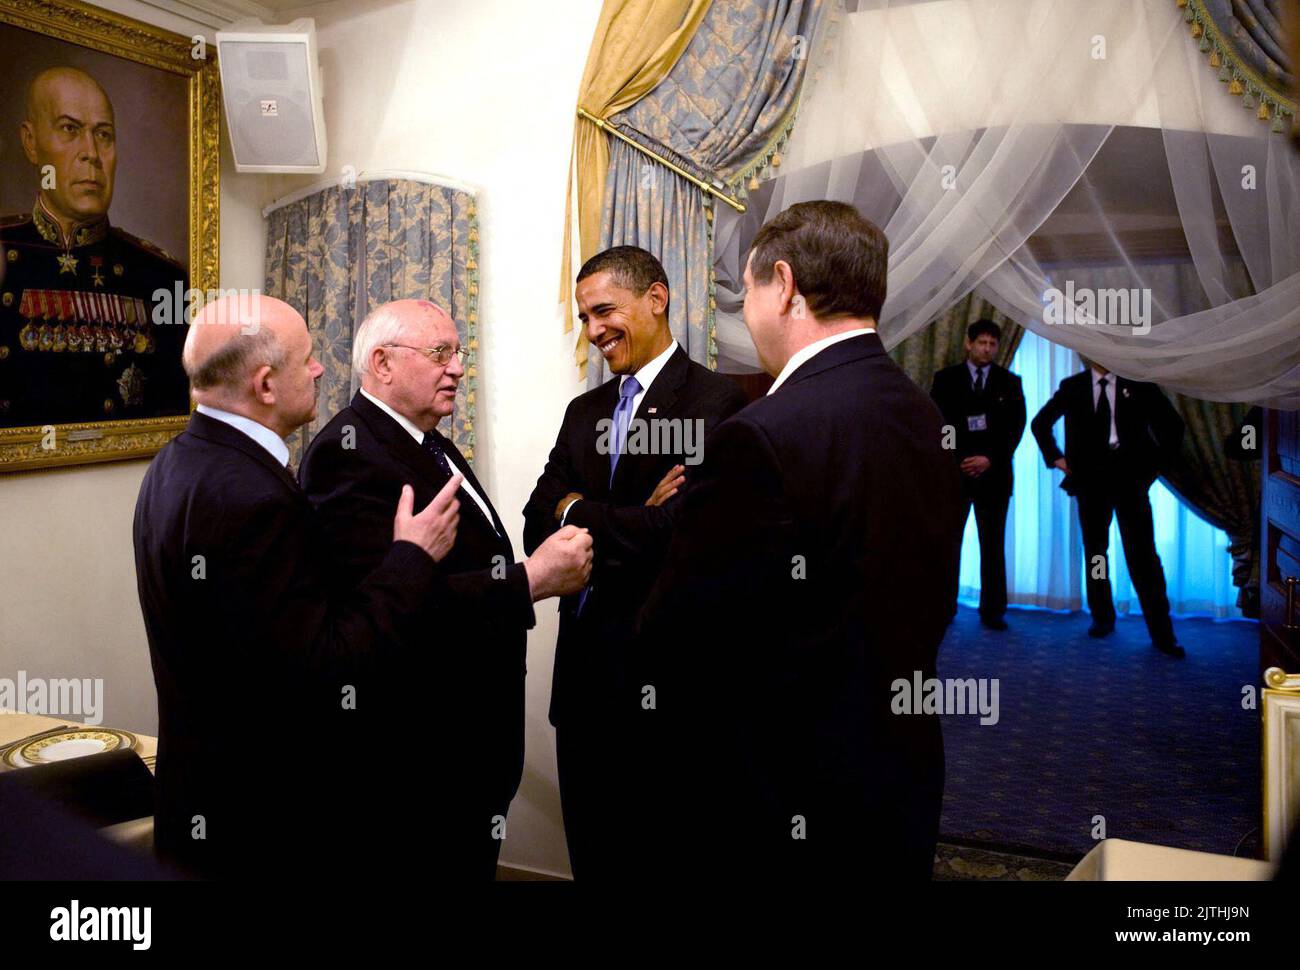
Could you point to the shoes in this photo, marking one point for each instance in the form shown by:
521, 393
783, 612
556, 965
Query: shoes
993, 622
1098, 630
1170, 648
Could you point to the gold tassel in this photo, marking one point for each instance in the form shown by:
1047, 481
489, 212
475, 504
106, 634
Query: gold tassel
1235, 87
1262, 113
1197, 30
776, 160
1214, 59
753, 183
1182, 3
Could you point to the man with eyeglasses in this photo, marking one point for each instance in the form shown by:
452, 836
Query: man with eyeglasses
447, 725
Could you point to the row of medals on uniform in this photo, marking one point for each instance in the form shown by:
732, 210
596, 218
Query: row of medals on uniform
46, 330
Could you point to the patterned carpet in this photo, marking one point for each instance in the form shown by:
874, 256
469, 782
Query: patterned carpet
1161, 748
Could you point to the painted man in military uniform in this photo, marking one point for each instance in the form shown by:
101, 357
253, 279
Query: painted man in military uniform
78, 337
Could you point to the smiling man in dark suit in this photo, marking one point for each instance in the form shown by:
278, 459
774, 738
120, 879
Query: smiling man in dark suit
1118, 435
810, 571
623, 453
244, 633
984, 404
408, 357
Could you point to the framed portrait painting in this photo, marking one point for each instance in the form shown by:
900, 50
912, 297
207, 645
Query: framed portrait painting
109, 217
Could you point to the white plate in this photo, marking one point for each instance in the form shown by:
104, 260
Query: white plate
65, 743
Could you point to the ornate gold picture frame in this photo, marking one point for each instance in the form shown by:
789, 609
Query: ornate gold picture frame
133, 53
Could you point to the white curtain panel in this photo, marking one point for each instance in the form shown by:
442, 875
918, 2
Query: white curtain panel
1045, 565
960, 126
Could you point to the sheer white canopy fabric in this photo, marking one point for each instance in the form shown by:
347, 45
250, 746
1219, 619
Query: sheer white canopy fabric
991, 139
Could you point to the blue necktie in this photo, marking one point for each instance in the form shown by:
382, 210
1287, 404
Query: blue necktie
622, 418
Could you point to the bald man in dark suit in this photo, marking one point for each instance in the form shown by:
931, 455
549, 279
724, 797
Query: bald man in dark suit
237, 603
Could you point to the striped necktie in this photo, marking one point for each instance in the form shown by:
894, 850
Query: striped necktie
622, 418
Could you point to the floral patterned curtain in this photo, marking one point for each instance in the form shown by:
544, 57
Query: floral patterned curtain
1247, 44
722, 114
339, 253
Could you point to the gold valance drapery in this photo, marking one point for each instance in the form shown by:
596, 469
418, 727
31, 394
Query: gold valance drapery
635, 46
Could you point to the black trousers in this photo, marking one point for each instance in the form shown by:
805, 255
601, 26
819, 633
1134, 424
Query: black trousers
1127, 500
990, 500
592, 755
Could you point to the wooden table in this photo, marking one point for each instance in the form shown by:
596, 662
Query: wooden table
1118, 860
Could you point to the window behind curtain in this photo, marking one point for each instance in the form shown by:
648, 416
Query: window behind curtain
1044, 548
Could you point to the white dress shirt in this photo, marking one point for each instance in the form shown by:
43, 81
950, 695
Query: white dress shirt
418, 435
1110, 396
645, 377
812, 350
260, 433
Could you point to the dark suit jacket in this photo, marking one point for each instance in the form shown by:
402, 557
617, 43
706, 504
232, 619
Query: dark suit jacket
628, 538
249, 651
1150, 433
1003, 405
813, 565
474, 652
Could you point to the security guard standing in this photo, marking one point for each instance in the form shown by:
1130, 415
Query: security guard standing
985, 405
79, 340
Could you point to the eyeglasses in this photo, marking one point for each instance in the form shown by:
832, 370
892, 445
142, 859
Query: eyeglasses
440, 355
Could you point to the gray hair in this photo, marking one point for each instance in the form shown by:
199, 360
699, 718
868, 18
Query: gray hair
235, 361
383, 326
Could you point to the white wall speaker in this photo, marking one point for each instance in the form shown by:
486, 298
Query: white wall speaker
270, 82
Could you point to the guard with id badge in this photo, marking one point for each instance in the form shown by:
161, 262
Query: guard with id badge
984, 405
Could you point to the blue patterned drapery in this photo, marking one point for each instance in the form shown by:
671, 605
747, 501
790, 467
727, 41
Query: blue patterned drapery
339, 253
722, 114
1245, 42
650, 206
